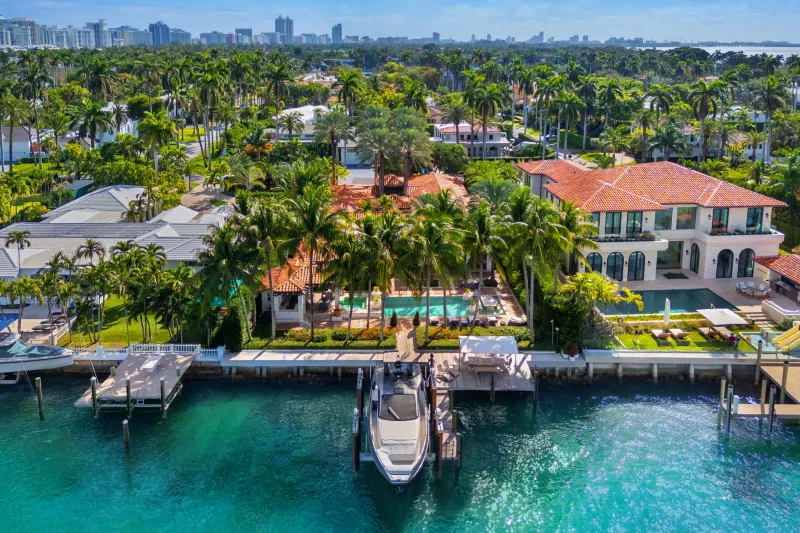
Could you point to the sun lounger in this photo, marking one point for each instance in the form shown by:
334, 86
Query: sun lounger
491, 320
517, 322
680, 336
723, 332
660, 334
453, 321
708, 333
435, 320
464, 321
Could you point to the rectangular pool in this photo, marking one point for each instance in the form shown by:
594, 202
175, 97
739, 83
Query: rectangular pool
681, 301
408, 305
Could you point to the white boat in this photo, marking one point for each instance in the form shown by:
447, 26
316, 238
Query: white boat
17, 357
399, 421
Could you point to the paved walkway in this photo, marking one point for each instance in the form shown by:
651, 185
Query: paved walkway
200, 198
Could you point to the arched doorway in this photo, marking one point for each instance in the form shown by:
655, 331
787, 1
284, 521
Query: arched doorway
745, 269
595, 262
636, 266
725, 264
694, 260
615, 266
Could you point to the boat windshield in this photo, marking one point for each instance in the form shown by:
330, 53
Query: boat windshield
399, 407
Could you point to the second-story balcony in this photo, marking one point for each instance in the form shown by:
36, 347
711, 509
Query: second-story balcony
629, 237
734, 233
632, 242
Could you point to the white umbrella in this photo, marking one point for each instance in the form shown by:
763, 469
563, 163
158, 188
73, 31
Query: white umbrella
666, 313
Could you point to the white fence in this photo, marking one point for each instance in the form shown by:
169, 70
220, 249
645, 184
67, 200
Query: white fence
118, 354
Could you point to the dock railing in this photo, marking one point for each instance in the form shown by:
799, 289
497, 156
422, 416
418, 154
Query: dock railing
100, 353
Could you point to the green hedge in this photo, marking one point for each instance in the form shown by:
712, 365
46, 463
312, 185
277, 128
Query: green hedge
440, 338
325, 338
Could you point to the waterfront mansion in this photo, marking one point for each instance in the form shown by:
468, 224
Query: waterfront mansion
658, 216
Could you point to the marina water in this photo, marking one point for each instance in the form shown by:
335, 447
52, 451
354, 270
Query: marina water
264, 456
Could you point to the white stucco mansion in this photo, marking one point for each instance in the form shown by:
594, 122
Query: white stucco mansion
658, 216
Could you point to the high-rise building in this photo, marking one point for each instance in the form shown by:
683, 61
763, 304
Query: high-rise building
5, 37
31, 25
17, 35
285, 27
574, 39
585, 39
269, 37
127, 36
488, 36
336, 33
215, 37
435, 37
246, 32
160, 33
102, 37
82, 37
179, 36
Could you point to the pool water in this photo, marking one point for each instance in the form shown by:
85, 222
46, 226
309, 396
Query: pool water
408, 305
681, 301
244, 456
10, 319
767, 346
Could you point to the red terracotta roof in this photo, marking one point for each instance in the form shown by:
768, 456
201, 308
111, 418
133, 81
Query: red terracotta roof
785, 265
390, 180
292, 277
350, 197
661, 184
434, 184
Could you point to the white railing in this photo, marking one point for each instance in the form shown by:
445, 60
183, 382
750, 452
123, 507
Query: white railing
164, 348
209, 354
101, 353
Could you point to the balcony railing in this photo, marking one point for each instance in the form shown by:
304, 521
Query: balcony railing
739, 230
630, 237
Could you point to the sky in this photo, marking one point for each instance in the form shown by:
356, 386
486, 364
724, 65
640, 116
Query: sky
677, 20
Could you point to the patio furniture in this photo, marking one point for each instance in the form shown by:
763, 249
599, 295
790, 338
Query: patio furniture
723, 332
681, 337
517, 322
739, 286
453, 321
751, 284
491, 320
435, 320
489, 301
661, 336
761, 288
464, 321
708, 333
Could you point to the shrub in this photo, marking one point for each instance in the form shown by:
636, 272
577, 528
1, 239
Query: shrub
415, 321
339, 334
368, 334
57, 198
232, 330
393, 320
299, 335
30, 213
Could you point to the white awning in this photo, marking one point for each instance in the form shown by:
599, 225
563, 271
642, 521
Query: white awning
505, 345
722, 317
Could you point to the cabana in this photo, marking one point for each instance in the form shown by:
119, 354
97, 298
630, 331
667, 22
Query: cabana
488, 351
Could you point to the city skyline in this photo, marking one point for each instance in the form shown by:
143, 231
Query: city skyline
772, 20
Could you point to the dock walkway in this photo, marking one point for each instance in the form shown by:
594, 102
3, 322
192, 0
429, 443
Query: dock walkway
276, 359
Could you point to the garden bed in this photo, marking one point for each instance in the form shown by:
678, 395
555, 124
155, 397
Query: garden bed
326, 338
440, 338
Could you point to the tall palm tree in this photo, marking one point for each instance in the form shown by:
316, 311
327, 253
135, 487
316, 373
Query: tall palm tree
414, 149
21, 240
770, 95
89, 250
267, 224
34, 78
669, 140
587, 91
754, 138
348, 84
291, 122
277, 75
488, 100
616, 140
90, 120
156, 131
98, 77
496, 192
456, 112
350, 267
661, 99
311, 226
569, 107
704, 98
609, 95
21, 290
16, 113
330, 128
645, 120
375, 141
481, 239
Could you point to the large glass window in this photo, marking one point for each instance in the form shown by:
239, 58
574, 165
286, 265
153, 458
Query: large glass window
664, 219
634, 225
615, 266
613, 223
636, 266
671, 257
595, 261
719, 220
596, 220
694, 260
725, 264
755, 216
745, 268
687, 217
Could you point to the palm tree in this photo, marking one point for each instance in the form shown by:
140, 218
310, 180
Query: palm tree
481, 239
90, 120
34, 77
348, 85
330, 128
277, 75
610, 94
661, 99
771, 95
569, 109
312, 224
669, 140
291, 122
16, 112
703, 99
587, 91
579, 230
414, 149
227, 114
21, 241
616, 140
267, 224
456, 112
430, 246
376, 141
4, 292
246, 173
89, 250
98, 77
350, 267
58, 121
496, 192
156, 131
21, 290
644, 119
754, 138
488, 100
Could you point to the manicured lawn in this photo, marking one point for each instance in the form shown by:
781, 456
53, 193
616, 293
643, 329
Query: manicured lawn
447, 338
113, 334
697, 343
20, 203
189, 135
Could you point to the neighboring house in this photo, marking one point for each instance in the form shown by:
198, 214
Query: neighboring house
692, 146
290, 284
309, 113
21, 143
496, 142
436, 114
107, 204
659, 216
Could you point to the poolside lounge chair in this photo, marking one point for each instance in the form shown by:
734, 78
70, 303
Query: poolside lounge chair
740, 286
464, 321
660, 334
751, 284
517, 322
708, 333
680, 336
453, 321
435, 320
491, 320
723, 332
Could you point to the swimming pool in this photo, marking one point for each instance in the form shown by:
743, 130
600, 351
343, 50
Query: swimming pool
408, 305
10, 318
681, 301
753, 338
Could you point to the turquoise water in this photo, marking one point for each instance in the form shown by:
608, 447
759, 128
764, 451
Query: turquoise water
257, 456
408, 305
767, 346
680, 301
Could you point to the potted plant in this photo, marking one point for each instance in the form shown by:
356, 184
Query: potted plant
337, 312
573, 351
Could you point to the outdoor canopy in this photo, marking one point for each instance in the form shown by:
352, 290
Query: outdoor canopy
722, 317
495, 345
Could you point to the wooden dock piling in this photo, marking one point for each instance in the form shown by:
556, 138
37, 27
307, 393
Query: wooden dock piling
93, 381
360, 392
730, 412
763, 400
536, 386
491, 387
163, 398
783, 380
39, 397
619, 372
771, 409
691, 374
590, 371
758, 361
356, 441
128, 402
655, 373
721, 402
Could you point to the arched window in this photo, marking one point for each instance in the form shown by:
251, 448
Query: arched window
636, 266
694, 260
745, 269
725, 264
615, 265
595, 262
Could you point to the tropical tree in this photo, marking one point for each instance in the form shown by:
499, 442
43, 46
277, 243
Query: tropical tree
331, 128
22, 289
609, 95
456, 112
413, 148
267, 224
155, 132
669, 140
615, 140
291, 123
34, 78
277, 76
482, 236
348, 84
661, 99
16, 113
89, 250
770, 95
487, 101
90, 120
704, 98
20, 239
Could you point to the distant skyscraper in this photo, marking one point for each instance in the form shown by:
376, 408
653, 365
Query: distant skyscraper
285, 27
102, 37
473, 38
31, 25
245, 31
435, 38
336, 33
488, 36
585, 39
179, 36
160, 33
